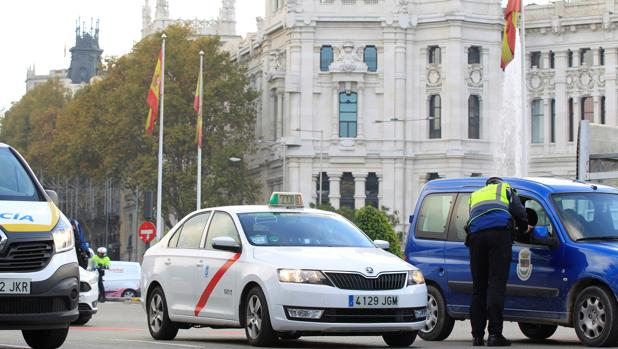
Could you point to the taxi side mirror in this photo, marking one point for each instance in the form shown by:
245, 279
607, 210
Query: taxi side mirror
385, 245
53, 196
226, 243
540, 236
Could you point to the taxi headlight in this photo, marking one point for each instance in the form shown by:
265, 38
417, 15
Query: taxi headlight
63, 236
303, 276
415, 277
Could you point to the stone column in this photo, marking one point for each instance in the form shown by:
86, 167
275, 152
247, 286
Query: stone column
611, 60
280, 118
335, 117
576, 62
577, 116
360, 180
546, 120
545, 59
562, 100
380, 190
595, 56
596, 105
334, 195
314, 191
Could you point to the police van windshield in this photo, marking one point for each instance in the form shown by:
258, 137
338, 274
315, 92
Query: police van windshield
589, 216
15, 183
301, 229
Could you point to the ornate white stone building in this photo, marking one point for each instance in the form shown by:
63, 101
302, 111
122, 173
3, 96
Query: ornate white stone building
404, 91
224, 26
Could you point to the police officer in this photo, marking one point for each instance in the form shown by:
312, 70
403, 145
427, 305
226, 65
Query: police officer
495, 211
101, 263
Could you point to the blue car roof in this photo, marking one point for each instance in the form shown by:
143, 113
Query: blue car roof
541, 185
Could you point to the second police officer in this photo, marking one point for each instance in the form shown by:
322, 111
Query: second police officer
495, 211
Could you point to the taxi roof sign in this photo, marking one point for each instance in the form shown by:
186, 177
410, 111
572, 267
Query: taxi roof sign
287, 200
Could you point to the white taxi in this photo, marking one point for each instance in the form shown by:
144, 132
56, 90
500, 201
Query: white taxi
280, 272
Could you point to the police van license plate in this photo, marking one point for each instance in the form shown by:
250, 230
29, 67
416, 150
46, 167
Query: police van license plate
373, 301
14, 286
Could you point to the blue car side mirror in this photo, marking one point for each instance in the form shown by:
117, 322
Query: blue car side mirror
540, 233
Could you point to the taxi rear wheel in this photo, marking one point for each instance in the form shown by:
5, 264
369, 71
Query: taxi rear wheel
45, 339
537, 331
258, 328
438, 324
159, 323
399, 339
595, 317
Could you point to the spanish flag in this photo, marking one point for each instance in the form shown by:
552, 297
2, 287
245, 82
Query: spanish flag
153, 96
196, 107
511, 17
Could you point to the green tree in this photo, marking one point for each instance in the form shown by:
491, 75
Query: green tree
375, 224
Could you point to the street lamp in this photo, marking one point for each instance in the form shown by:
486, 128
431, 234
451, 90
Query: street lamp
238, 161
321, 132
403, 158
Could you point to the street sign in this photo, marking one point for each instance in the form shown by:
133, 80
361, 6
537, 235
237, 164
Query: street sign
147, 231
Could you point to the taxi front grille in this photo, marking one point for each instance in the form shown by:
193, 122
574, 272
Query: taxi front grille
349, 281
26, 256
33, 305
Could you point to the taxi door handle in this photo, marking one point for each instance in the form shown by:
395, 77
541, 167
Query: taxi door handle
168, 261
200, 264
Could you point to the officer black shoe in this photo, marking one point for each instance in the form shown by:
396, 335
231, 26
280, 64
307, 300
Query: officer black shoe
497, 340
478, 342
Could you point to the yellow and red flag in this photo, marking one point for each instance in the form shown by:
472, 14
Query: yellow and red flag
196, 107
511, 17
153, 96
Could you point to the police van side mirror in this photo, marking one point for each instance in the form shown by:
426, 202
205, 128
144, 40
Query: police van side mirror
225, 243
53, 196
540, 236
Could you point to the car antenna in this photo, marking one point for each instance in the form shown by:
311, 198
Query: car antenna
593, 186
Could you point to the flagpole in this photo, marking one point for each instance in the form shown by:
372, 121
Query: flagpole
160, 168
524, 106
199, 132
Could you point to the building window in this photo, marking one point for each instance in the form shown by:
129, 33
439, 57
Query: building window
474, 55
552, 60
348, 109
601, 56
326, 57
474, 117
587, 107
371, 58
570, 58
537, 121
535, 59
603, 110
571, 120
347, 190
552, 125
585, 57
372, 189
435, 55
325, 189
435, 120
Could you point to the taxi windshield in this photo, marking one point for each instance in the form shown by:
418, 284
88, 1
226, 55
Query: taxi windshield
589, 216
15, 183
301, 229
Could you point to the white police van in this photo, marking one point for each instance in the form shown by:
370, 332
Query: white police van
280, 272
39, 275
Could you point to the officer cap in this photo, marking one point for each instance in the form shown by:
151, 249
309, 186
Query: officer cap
494, 180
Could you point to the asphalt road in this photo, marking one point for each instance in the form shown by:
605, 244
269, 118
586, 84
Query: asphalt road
123, 325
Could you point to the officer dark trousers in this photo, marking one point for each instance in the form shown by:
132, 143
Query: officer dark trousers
490, 260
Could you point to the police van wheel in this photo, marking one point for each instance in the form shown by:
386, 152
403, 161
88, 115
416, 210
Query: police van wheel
438, 325
399, 339
537, 331
45, 339
595, 317
258, 328
159, 323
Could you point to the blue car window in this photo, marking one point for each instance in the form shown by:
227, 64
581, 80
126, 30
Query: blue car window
461, 213
434, 214
588, 216
543, 218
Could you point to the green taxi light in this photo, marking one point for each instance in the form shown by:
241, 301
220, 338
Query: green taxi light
288, 200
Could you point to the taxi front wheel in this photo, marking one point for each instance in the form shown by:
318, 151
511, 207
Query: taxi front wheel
399, 339
159, 323
45, 339
595, 317
258, 328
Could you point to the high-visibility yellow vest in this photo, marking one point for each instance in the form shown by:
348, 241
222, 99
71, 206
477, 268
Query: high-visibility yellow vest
489, 198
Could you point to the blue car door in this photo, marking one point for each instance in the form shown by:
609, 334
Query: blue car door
534, 289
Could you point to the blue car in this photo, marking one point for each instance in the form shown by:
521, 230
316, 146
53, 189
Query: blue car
565, 273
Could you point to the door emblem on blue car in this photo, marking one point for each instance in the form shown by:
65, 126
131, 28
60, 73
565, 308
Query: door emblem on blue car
524, 264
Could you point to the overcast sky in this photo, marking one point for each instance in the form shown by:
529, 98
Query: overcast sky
35, 32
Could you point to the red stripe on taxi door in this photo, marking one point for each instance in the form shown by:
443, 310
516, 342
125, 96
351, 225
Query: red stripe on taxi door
213, 283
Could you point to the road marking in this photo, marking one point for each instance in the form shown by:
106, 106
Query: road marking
213, 283
158, 343
13, 346
106, 329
